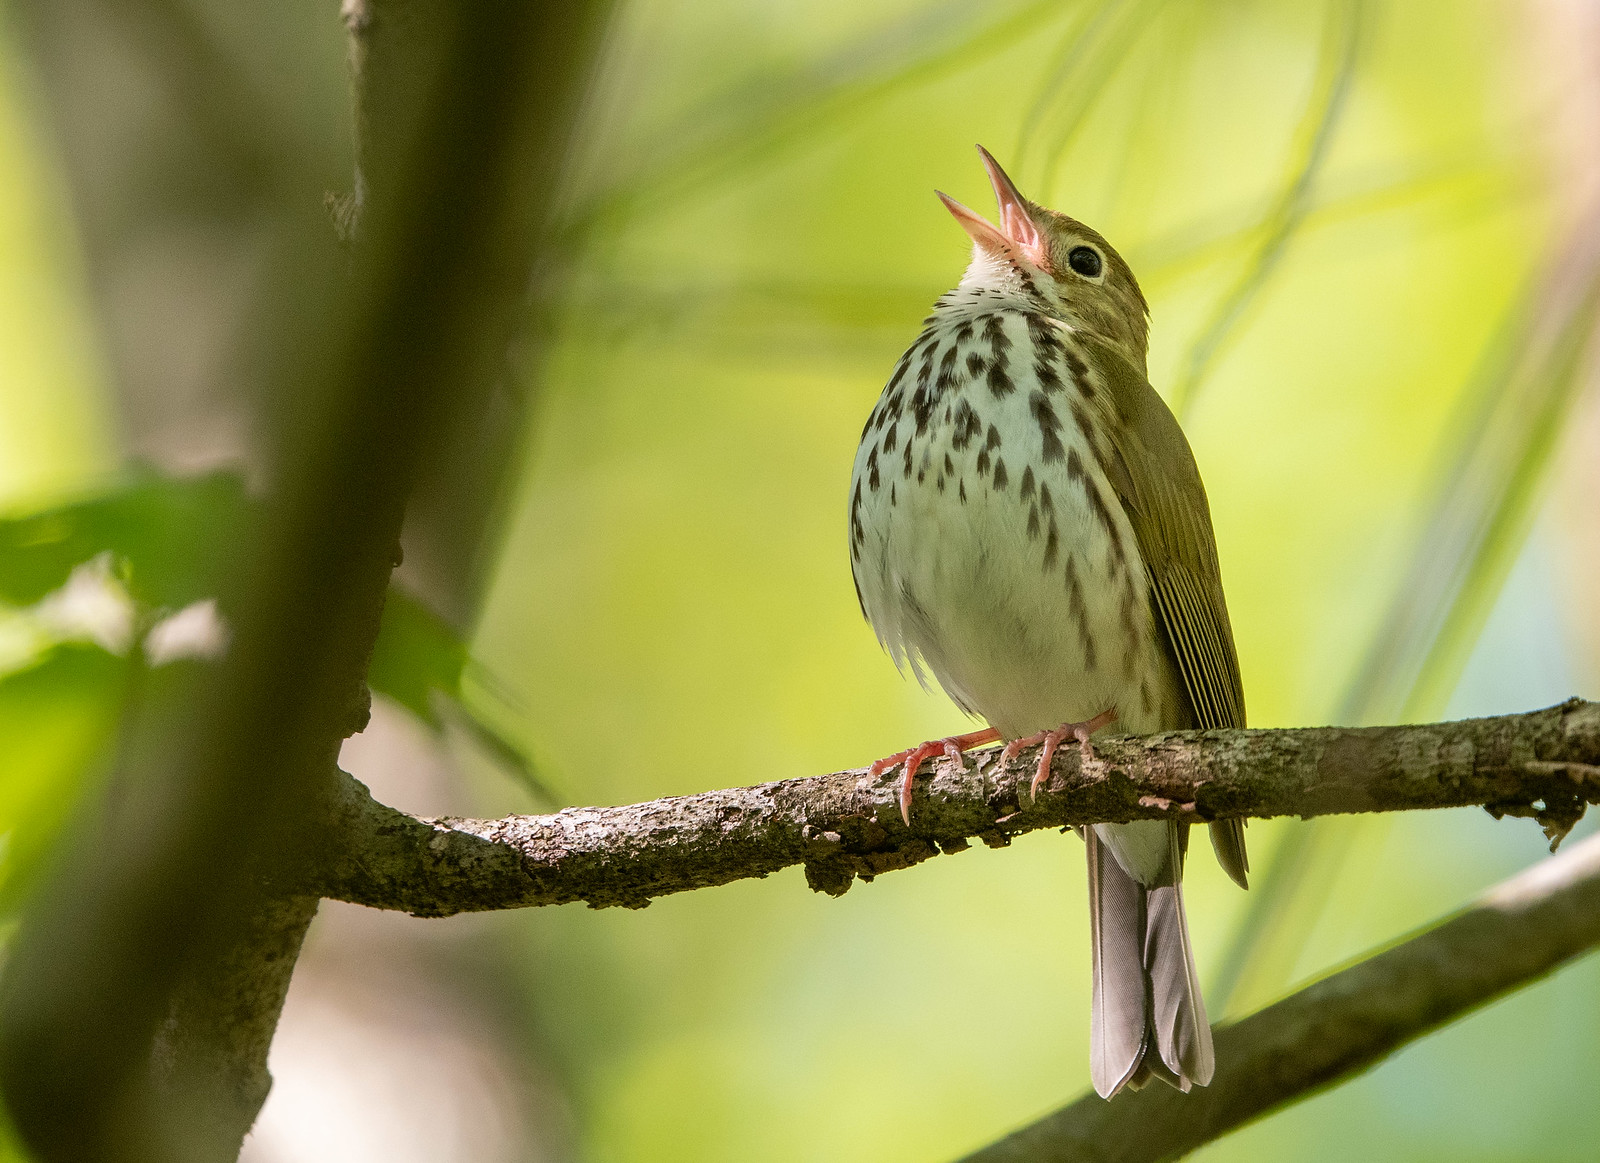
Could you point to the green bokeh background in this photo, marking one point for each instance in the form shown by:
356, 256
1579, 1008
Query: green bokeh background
673, 606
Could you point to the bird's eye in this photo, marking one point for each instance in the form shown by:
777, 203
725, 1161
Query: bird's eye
1086, 261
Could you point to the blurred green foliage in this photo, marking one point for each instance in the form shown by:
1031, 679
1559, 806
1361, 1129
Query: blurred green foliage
168, 539
165, 541
57, 716
1340, 211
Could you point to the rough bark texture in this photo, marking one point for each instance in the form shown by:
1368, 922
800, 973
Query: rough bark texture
847, 825
1343, 1024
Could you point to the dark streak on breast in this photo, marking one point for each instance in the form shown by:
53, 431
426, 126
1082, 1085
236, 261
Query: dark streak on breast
967, 426
1080, 612
1079, 371
947, 369
1049, 426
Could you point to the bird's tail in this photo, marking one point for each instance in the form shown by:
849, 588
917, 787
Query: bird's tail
1149, 1020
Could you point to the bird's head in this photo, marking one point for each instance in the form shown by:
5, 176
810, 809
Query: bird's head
1069, 269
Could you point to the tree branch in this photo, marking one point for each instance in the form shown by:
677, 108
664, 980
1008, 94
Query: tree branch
847, 825
210, 1056
1517, 932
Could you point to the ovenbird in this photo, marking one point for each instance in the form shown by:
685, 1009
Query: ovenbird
1027, 523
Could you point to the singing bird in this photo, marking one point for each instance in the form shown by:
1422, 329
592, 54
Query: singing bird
1027, 523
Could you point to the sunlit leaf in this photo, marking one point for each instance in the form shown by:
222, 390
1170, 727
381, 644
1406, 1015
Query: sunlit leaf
169, 537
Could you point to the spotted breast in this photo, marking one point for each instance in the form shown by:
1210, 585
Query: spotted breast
987, 543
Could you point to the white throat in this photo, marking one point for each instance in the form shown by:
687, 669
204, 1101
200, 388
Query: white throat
995, 274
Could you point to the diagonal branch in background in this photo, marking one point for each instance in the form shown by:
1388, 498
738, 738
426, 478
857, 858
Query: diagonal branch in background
847, 825
1341, 1025
1343, 41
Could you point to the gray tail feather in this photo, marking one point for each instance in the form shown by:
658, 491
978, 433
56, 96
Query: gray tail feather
1227, 839
1146, 992
1183, 1035
1119, 1022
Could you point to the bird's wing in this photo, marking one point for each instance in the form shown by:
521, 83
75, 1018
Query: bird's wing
1150, 465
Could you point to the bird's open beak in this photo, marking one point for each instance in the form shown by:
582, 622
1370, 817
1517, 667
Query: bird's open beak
1017, 230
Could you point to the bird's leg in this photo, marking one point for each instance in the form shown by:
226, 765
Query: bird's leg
952, 746
1051, 739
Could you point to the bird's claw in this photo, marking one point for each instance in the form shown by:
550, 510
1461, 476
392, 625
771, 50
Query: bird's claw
1051, 740
952, 747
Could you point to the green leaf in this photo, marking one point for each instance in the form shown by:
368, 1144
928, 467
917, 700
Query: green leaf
170, 539
422, 663
168, 536
417, 653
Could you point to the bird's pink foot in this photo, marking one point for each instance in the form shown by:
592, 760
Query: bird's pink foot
952, 746
1052, 739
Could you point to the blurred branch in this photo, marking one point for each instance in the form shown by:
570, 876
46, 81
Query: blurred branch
1083, 75
1337, 1027
847, 825
210, 1054
781, 107
397, 57
1341, 51
1078, 42
1484, 485
144, 982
